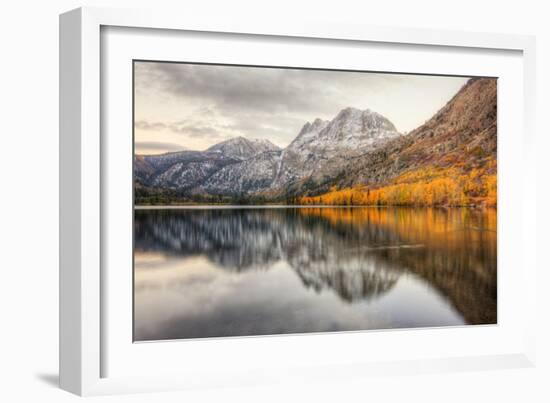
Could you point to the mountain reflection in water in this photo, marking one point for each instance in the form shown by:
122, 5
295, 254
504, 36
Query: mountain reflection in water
242, 271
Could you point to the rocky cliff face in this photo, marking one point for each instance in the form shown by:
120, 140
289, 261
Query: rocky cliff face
245, 178
242, 167
463, 134
321, 146
182, 170
242, 148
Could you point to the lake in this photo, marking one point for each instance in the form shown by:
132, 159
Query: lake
218, 272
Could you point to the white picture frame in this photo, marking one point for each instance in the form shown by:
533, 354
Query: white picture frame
85, 345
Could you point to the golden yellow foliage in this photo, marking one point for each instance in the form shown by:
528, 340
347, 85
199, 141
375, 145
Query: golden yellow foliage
422, 187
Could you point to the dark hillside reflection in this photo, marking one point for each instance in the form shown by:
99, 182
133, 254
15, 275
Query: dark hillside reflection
224, 272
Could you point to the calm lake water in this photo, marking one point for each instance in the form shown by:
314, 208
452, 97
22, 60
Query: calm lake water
257, 271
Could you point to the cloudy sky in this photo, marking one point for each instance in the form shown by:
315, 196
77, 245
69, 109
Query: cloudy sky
186, 106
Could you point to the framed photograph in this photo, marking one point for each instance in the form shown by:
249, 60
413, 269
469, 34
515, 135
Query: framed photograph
245, 204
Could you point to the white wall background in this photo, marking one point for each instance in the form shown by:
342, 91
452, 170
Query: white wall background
29, 197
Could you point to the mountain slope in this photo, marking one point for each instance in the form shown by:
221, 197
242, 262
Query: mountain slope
249, 177
241, 167
350, 133
455, 150
358, 157
243, 148
182, 170
462, 134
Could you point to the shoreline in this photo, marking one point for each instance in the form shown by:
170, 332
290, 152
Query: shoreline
285, 206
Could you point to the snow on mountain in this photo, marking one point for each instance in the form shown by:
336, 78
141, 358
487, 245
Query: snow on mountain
243, 148
181, 170
244, 167
253, 175
309, 133
349, 134
350, 129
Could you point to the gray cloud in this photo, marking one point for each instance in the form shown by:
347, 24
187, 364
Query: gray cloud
157, 146
188, 128
257, 89
144, 125
193, 130
217, 102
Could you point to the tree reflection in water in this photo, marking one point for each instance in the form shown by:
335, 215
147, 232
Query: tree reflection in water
357, 253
